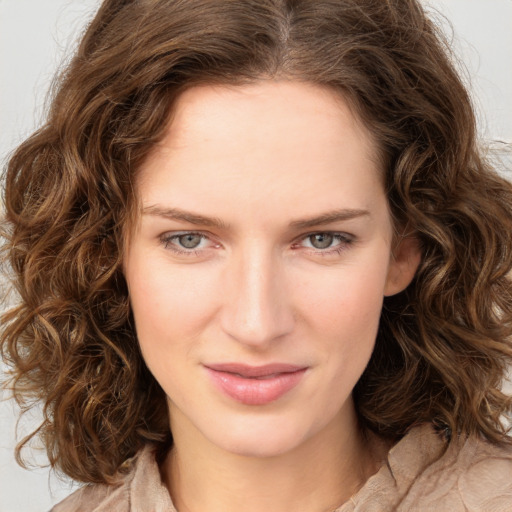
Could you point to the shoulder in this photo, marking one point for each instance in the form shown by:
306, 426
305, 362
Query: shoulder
92, 498
468, 474
426, 473
140, 488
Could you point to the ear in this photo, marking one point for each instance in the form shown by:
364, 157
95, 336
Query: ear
405, 259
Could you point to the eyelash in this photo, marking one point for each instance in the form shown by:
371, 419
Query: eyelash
344, 241
168, 238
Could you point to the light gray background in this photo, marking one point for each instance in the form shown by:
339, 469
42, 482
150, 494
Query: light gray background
35, 37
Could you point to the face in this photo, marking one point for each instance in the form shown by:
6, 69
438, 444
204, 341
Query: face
259, 264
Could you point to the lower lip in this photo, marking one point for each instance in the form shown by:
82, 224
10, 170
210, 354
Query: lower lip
252, 391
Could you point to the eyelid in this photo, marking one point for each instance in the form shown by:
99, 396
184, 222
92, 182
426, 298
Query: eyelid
343, 238
167, 238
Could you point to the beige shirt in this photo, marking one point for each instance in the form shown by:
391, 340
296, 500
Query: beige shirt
422, 474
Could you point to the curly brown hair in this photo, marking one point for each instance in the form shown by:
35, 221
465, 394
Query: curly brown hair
443, 345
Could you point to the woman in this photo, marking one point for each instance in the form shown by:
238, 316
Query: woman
262, 265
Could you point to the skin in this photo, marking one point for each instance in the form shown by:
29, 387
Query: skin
260, 169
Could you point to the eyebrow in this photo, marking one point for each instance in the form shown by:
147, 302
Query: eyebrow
202, 220
329, 217
185, 216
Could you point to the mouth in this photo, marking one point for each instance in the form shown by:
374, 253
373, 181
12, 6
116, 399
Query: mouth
255, 385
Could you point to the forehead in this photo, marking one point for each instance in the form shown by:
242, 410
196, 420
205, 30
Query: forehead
288, 142
281, 110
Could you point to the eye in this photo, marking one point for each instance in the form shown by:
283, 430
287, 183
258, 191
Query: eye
321, 240
189, 241
185, 242
326, 242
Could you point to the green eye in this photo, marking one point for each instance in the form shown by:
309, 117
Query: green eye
321, 240
186, 243
189, 240
327, 243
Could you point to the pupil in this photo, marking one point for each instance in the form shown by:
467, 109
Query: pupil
190, 241
321, 240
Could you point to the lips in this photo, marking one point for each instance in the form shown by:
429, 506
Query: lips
255, 385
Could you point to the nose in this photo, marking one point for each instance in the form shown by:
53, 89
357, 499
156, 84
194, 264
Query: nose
256, 307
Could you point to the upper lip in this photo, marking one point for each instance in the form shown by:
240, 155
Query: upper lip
255, 371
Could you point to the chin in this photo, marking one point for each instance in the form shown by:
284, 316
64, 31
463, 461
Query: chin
270, 439
259, 448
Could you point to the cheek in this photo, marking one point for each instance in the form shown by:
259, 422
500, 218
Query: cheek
346, 300
170, 307
341, 310
169, 318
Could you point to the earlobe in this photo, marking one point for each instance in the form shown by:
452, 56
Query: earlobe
405, 259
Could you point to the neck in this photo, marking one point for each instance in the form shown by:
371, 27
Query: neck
317, 476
